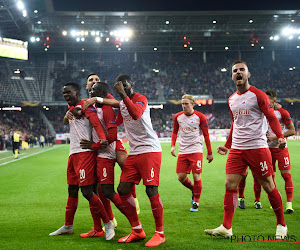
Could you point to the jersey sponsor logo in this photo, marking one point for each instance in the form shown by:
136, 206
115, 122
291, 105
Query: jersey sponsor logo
263, 174
241, 112
270, 106
192, 129
288, 119
112, 122
82, 180
149, 180
206, 125
103, 179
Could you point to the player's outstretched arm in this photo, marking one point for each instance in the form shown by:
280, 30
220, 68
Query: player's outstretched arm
222, 150
111, 102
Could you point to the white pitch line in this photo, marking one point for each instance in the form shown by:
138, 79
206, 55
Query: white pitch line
29, 155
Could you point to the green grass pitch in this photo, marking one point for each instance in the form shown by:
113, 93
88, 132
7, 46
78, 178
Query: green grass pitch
33, 194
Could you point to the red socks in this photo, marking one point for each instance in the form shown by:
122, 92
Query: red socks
230, 203
96, 219
98, 207
276, 203
71, 207
107, 206
257, 189
289, 187
118, 203
130, 210
242, 187
197, 190
187, 183
157, 210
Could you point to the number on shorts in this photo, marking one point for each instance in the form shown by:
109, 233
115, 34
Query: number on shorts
152, 173
104, 172
82, 174
286, 161
264, 166
199, 165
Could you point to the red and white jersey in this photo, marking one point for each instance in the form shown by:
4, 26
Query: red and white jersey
284, 119
190, 129
248, 111
135, 113
80, 129
107, 117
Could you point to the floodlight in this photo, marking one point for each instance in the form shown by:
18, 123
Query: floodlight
37, 39
32, 39
65, 33
20, 5
82, 39
73, 32
93, 33
97, 39
226, 48
24, 13
78, 39
276, 37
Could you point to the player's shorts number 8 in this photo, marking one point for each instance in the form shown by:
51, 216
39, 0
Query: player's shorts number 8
82, 174
104, 172
152, 172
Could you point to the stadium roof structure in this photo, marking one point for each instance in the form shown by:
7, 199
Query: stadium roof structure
162, 31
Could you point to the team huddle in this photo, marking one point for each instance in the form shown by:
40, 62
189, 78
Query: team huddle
95, 148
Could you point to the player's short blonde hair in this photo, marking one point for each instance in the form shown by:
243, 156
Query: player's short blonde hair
190, 97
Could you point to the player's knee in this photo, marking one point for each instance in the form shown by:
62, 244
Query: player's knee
87, 192
151, 191
181, 177
108, 191
123, 189
73, 191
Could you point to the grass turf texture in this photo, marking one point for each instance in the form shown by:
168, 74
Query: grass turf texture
34, 193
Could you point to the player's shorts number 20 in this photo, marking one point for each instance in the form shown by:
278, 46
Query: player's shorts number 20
82, 174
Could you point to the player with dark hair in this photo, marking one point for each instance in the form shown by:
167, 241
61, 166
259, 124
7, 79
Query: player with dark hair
121, 153
81, 167
143, 161
191, 125
247, 141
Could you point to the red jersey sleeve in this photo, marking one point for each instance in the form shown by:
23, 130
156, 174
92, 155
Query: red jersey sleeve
204, 128
91, 114
267, 109
286, 117
136, 106
110, 122
175, 130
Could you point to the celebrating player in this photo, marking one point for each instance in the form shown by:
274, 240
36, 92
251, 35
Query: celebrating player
121, 153
190, 124
81, 168
248, 142
143, 161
